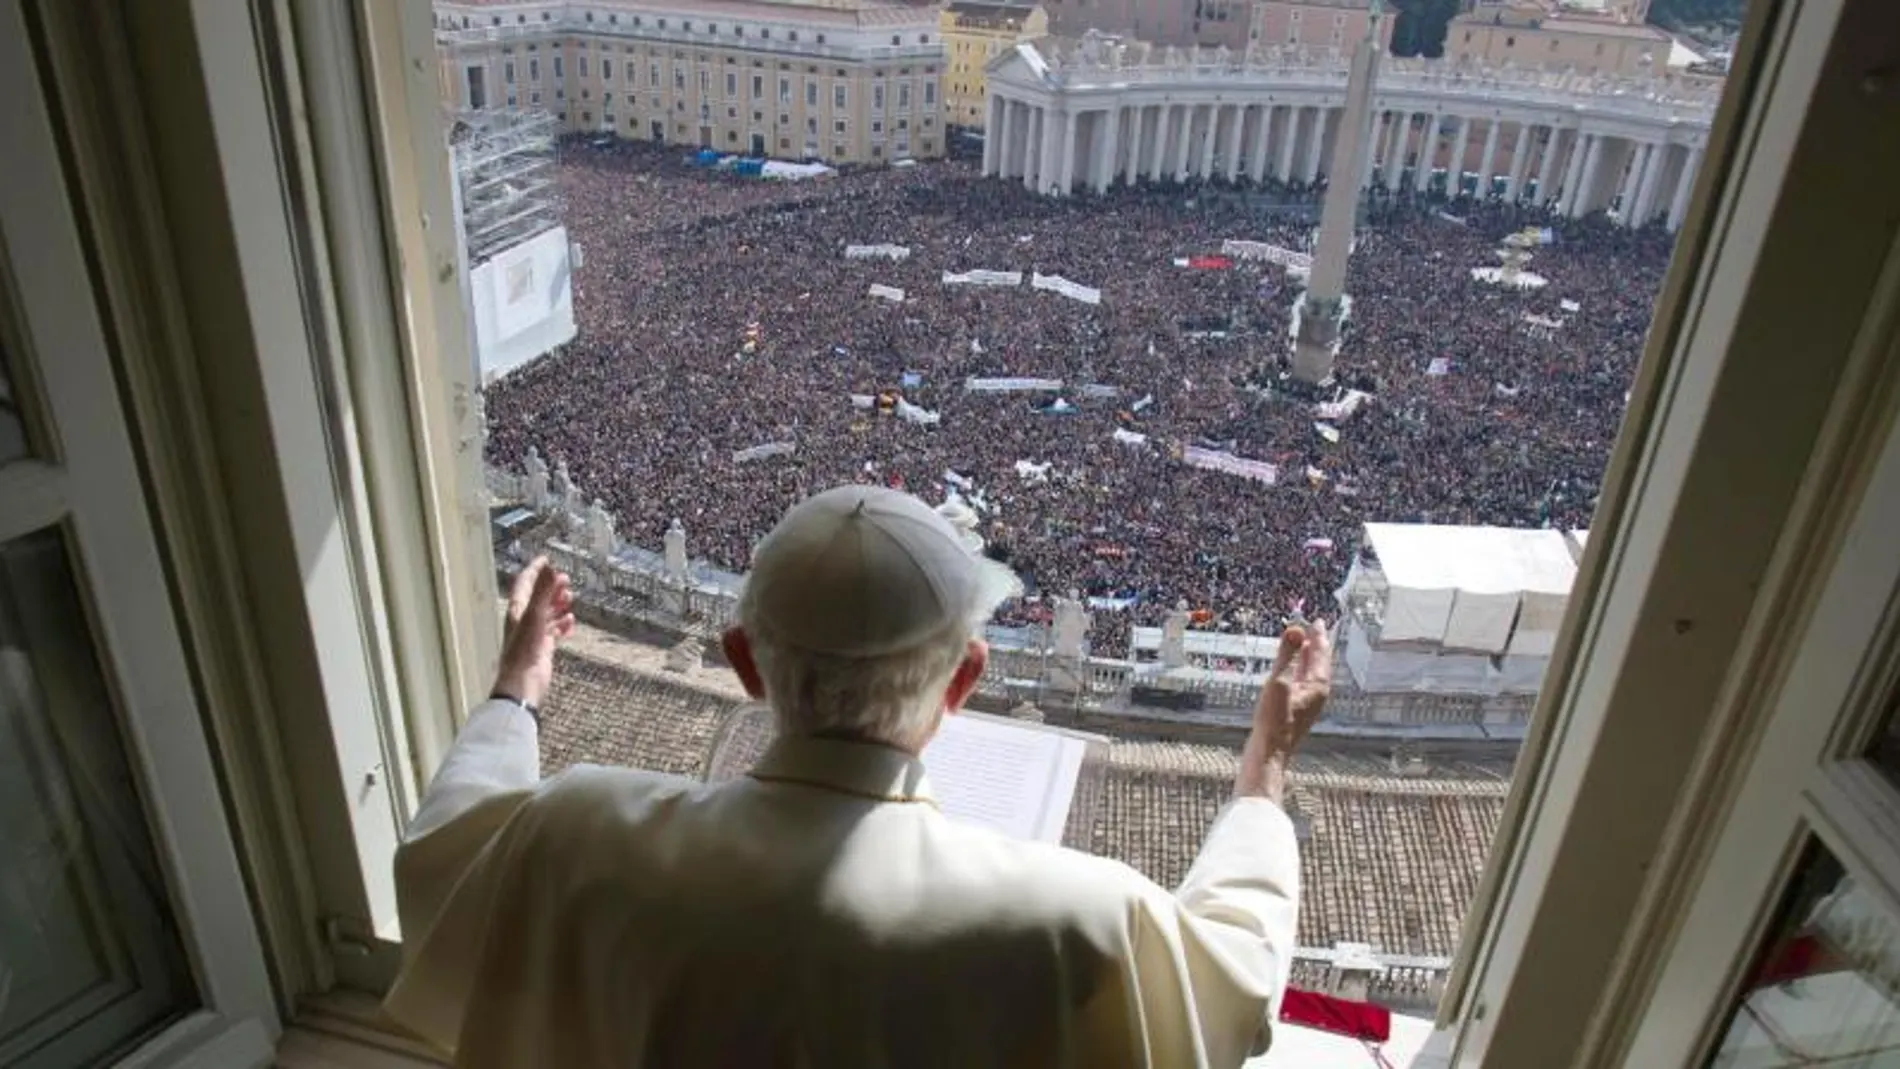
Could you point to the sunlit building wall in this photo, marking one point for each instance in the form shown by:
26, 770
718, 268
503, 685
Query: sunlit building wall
842, 82
973, 35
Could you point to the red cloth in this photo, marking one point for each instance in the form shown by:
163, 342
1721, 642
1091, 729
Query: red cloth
1359, 1020
1801, 956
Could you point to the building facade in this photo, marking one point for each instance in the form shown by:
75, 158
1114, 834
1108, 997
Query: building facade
1508, 36
841, 82
1232, 24
1337, 24
974, 34
1070, 115
1209, 23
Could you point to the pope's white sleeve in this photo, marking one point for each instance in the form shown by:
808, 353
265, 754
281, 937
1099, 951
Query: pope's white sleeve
1241, 901
498, 751
493, 767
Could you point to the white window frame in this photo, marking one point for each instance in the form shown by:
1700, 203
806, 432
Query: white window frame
85, 480
1807, 781
1694, 564
360, 499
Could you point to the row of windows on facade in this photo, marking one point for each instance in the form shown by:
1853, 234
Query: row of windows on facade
657, 129
840, 96
811, 124
606, 67
1511, 42
613, 19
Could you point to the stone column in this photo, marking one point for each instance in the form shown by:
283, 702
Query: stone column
1107, 144
1049, 172
1395, 156
1019, 139
1609, 175
1685, 189
1585, 201
1653, 159
1315, 145
1284, 169
1626, 186
1520, 160
1137, 138
992, 131
1485, 166
1257, 168
1158, 162
1004, 133
1427, 150
1207, 140
1033, 146
1235, 127
1455, 170
1547, 164
1071, 147
1184, 150
1581, 145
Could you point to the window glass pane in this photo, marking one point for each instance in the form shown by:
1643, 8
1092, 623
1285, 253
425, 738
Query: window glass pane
90, 959
13, 443
1823, 991
1885, 751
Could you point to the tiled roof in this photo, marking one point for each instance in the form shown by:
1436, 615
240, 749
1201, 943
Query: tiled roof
1391, 860
599, 713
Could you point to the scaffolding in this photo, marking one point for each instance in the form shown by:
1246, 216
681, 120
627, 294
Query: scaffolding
504, 170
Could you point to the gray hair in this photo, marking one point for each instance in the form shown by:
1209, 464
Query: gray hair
893, 698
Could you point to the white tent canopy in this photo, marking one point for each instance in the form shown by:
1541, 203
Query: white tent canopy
1490, 590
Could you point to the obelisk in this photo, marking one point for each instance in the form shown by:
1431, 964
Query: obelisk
1322, 309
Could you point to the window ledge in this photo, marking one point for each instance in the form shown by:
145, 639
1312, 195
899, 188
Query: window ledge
1411, 1046
305, 1048
348, 1031
345, 1032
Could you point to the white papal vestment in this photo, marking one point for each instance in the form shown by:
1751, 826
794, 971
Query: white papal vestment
820, 913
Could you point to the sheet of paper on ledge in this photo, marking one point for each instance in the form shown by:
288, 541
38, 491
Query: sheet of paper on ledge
1015, 778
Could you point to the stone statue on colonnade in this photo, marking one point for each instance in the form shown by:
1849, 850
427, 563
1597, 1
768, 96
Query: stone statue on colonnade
561, 485
1174, 637
1070, 633
601, 538
537, 489
675, 545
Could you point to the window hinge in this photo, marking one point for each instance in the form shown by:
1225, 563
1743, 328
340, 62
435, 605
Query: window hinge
349, 936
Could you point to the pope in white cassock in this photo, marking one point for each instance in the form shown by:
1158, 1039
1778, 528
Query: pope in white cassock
821, 912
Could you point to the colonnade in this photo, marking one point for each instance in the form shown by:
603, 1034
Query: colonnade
1578, 165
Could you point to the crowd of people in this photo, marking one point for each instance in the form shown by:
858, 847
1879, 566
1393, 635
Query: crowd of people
718, 313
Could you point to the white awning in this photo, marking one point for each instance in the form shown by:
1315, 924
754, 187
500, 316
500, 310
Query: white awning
1483, 589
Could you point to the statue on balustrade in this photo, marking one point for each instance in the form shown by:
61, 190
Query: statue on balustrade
1088, 51
562, 485
1174, 637
675, 543
537, 481
601, 539
1069, 637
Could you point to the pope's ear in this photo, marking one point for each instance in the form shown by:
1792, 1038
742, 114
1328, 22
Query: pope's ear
976, 657
738, 650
